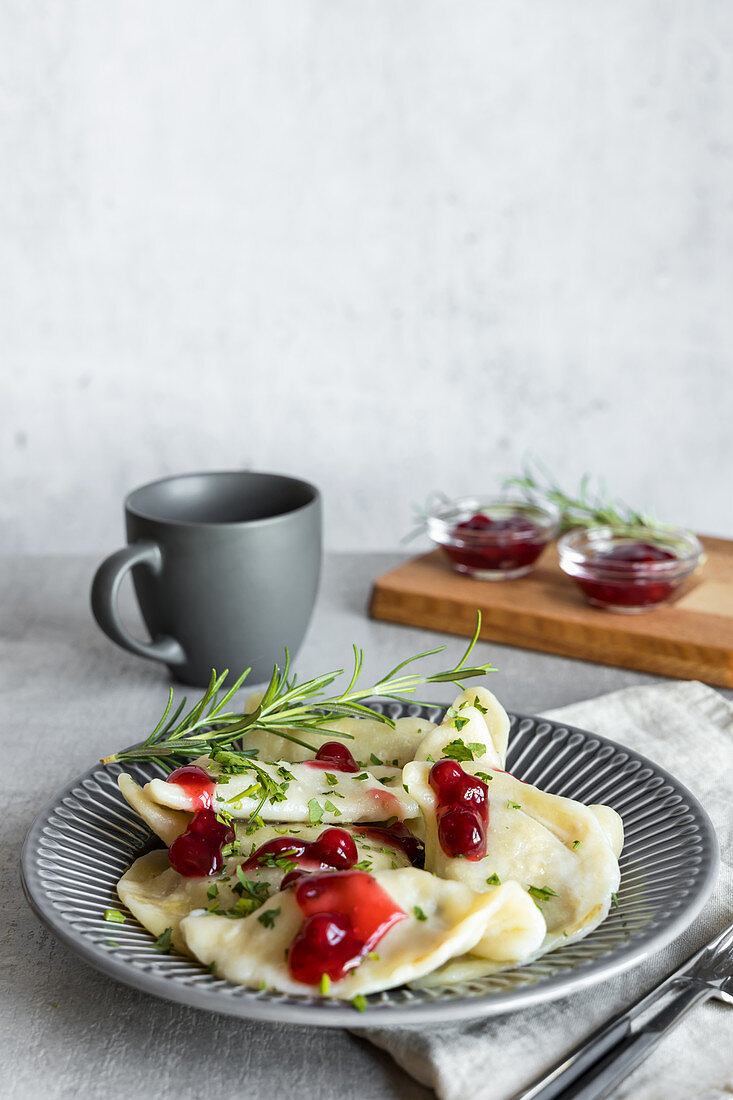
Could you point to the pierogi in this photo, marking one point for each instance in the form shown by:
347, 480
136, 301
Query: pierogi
476, 724
160, 897
554, 847
442, 919
232, 896
166, 823
374, 795
364, 737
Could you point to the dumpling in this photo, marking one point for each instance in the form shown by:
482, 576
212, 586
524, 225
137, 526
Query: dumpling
554, 847
159, 897
612, 825
163, 821
364, 737
475, 727
517, 930
395, 925
309, 794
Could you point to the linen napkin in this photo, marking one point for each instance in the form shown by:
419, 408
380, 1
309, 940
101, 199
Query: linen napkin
688, 729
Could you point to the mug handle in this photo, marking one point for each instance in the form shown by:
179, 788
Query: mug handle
105, 588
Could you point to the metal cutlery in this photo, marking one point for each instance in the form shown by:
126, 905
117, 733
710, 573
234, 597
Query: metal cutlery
594, 1067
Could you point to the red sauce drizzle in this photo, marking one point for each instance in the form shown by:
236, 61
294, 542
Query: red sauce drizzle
462, 810
622, 581
398, 836
334, 849
198, 785
198, 851
333, 757
346, 915
499, 548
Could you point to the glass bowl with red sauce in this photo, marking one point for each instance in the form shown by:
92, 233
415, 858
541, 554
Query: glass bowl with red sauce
629, 570
493, 538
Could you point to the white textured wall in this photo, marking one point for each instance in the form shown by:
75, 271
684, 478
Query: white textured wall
388, 245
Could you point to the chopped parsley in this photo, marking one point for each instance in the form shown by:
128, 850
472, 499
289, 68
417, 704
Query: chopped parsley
514, 805
359, 1002
494, 880
363, 865
457, 750
268, 918
315, 812
332, 781
325, 984
614, 899
541, 893
250, 792
459, 722
375, 759
114, 915
418, 912
283, 861
331, 808
364, 775
163, 942
251, 895
576, 845
478, 706
213, 891
485, 776
212, 966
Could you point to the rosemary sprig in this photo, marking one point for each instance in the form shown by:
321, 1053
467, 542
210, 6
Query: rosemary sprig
287, 708
587, 508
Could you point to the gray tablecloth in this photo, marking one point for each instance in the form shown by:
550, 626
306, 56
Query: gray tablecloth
68, 696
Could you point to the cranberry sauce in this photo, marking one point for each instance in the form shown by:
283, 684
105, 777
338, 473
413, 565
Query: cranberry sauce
334, 849
399, 836
346, 914
462, 810
197, 784
622, 580
335, 757
198, 850
485, 544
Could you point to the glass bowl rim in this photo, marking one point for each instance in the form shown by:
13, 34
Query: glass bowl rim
570, 553
443, 517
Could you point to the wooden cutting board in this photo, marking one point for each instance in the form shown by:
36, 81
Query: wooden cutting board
691, 639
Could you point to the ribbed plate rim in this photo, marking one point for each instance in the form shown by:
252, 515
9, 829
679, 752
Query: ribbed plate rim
219, 996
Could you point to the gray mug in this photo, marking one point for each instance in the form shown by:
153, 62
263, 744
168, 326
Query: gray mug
225, 568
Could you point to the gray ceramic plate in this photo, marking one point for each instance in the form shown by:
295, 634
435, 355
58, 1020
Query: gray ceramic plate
80, 844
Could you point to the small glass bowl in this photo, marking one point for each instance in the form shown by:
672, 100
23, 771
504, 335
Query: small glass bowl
493, 538
629, 570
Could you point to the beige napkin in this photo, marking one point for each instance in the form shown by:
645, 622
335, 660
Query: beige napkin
688, 729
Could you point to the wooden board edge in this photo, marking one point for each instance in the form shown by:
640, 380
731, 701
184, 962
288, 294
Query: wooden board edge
694, 662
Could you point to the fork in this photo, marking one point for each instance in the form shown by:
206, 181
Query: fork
592, 1069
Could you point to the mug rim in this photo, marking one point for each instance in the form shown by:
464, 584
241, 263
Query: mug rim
141, 513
